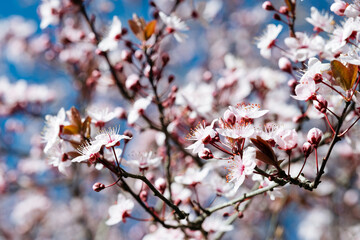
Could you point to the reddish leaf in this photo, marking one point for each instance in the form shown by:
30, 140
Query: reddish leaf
266, 153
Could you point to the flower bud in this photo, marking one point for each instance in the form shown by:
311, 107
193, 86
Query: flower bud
165, 58
133, 82
320, 104
267, 5
318, 78
207, 76
160, 185
206, 154
307, 149
284, 10
229, 117
285, 64
138, 54
126, 56
314, 136
339, 7
143, 196
129, 134
277, 17
97, 187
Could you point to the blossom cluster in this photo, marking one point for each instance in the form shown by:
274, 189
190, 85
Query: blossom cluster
214, 120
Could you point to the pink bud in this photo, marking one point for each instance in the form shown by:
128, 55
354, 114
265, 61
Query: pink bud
126, 56
284, 10
97, 187
318, 78
207, 76
338, 7
267, 5
160, 185
143, 196
229, 117
132, 82
138, 54
314, 136
307, 149
206, 154
285, 64
165, 58
320, 104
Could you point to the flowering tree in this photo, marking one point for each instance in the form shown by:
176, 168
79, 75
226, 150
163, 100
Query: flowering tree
160, 146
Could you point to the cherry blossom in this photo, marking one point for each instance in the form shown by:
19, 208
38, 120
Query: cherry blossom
138, 108
216, 224
321, 22
202, 135
58, 158
286, 139
110, 42
241, 167
305, 90
89, 152
120, 211
52, 128
145, 161
237, 131
100, 115
174, 25
109, 138
251, 111
49, 11
267, 40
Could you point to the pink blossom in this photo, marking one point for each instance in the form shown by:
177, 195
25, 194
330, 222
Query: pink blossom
241, 167
314, 136
120, 211
251, 111
88, 152
58, 158
237, 131
49, 11
321, 22
192, 176
174, 25
145, 160
100, 115
110, 42
52, 128
353, 10
267, 40
201, 135
138, 108
305, 90
109, 137
286, 139
338, 7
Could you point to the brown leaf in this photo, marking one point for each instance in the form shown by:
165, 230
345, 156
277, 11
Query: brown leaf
86, 127
70, 130
74, 117
137, 30
345, 76
149, 29
266, 153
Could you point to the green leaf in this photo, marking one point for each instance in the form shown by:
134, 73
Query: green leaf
345, 76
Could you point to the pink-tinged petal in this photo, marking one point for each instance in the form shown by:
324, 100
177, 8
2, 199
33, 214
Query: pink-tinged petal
258, 114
